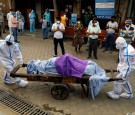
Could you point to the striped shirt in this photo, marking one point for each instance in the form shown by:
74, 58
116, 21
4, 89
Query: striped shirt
127, 33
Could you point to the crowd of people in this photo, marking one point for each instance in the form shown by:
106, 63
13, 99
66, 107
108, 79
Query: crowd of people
126, 36
16, 23
93, 31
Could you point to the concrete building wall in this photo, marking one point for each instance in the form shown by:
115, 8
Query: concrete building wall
38, 9
5, 5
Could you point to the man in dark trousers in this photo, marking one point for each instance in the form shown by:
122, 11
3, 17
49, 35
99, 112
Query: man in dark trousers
58, 28
93, 31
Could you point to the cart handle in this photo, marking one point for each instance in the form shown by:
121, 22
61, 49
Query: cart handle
14, 74
16, 69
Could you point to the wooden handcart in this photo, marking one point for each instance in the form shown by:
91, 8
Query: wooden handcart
60, 90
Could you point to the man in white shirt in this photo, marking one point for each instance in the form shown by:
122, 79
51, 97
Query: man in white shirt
95, 19
93, 32
111, 26
58, 28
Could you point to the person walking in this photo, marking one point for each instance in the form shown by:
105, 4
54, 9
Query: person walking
64, 19
44, 27
93, 32
111, 27
125, 67
21, 23
58, 28
9, 50
32, 18
15, 27
77, 40
47, 14
9, 16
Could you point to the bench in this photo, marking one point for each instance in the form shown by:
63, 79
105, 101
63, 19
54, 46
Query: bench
69, 33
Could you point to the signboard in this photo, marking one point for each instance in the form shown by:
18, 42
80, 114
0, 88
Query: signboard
73, 18
104, 9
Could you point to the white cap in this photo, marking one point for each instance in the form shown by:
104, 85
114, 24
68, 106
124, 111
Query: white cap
10, 38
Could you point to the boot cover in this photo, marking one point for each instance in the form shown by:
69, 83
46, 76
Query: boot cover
112, 95
126, 95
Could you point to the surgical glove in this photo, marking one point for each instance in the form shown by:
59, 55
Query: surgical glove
21, 65
121, 76
119, 66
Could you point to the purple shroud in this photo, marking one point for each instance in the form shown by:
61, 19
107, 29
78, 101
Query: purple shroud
69, 65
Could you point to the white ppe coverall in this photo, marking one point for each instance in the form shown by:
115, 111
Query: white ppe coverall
7, 60
9, 16
125, 66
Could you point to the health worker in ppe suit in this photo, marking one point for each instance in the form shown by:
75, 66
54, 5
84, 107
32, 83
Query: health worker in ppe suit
32, 17
125, 66
8, 51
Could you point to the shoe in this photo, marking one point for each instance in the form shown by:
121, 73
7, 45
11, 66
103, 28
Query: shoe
111, 50
22, 83
105, 50
112, 95
17, 41
89, 57
55, 56
96, 58
126, 95
8, 82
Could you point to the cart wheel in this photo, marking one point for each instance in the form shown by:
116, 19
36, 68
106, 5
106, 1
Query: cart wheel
60, 91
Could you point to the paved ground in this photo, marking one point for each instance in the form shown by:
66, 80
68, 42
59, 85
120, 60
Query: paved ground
33, 47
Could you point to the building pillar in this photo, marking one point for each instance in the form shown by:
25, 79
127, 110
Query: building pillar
55, 9
38, 9
124, 15
12, 2
77, 8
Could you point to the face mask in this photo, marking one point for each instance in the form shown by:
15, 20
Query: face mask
8, 43
94, 24
58, 22
78, 22
127, 25
112, 20
119, 45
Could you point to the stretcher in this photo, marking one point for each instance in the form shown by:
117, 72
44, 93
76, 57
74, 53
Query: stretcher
60, 89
